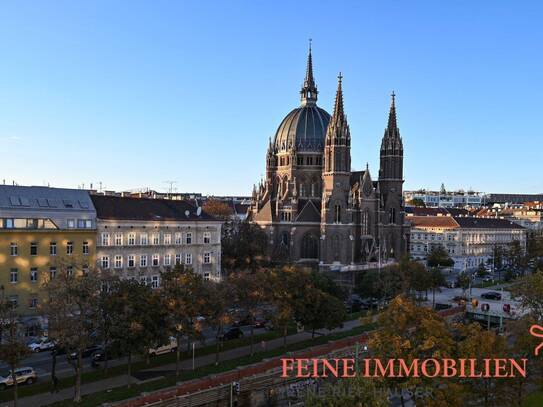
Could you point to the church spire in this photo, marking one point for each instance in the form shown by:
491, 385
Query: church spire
309, 89
392, 114
339, 115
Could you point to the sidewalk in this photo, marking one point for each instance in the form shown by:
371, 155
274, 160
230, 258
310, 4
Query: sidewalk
152, 373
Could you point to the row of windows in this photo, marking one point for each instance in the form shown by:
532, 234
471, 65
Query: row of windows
33, 249
430, 236
118, 238
117, 262
154, 280
31, 223
14, 274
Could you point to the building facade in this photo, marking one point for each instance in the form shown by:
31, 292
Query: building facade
470, 241
42, 231
312, 205
446, 199
138, 238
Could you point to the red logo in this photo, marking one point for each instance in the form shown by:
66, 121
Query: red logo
537, 331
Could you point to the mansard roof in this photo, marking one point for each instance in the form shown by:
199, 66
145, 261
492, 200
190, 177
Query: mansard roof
146, 209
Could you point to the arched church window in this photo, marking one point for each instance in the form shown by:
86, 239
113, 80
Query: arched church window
337, 213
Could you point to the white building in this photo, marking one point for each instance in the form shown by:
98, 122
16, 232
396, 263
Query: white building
451, 199
469, 241
138, 238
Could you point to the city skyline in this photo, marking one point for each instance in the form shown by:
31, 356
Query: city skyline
135, 97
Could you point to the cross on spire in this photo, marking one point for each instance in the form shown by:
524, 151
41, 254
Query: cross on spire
392, 114
309, 89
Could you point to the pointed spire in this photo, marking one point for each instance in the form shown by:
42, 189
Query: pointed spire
392, 114
309, 89
338, 120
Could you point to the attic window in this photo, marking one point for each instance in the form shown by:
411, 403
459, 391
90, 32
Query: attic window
68, 204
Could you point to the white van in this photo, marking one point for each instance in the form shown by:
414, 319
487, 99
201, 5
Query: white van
167, 348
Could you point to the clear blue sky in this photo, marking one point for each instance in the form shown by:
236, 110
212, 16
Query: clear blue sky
134, 93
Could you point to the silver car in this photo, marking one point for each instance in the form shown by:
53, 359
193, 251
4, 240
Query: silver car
25, 375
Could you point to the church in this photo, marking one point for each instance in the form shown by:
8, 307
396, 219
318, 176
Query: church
313, 206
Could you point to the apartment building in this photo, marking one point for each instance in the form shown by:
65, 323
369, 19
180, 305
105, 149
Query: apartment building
41, 230
138, 238
469, 240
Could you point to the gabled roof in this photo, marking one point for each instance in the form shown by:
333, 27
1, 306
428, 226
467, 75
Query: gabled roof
265, 214
309, 213
145, 209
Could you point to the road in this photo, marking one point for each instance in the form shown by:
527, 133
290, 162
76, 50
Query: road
42, 361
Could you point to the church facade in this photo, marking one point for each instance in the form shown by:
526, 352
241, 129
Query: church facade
313, 206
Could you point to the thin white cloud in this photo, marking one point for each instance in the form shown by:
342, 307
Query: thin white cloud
10, 138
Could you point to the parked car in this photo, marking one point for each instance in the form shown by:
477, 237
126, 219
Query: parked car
171, 346
41, 344
232, 333
259, 323
25, 375
491, 295
86, 352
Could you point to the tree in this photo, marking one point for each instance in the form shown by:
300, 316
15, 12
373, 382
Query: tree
437, 280
281, 296
521, 346
530, 294
244, 246
72, 311
218, 209
12, 347
250, 293
184, 300
419, 279
439, 257
481, 344
463, 281
139, 319
417, 202
218, 300
357, 391
409, 332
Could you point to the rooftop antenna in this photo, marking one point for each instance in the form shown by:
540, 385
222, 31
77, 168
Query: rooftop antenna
171, 184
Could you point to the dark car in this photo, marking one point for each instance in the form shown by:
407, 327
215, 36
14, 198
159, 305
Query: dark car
86, 352
491, 296
232, 333
259, 323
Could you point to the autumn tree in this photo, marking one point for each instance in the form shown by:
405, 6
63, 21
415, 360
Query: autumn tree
409, 332
250, 293
479, 344
218, 300
12, 347
72, 310
521, 346
282, 297
183, 298
139, 320
218, 209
